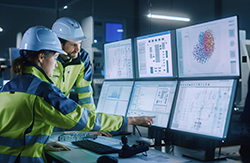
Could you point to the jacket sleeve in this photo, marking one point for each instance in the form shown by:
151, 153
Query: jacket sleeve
63, 112
83, 83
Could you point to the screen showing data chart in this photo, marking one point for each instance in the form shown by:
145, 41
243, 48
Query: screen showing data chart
152, 98
209, 49
204, 107
118, 61
154, 53
114, 97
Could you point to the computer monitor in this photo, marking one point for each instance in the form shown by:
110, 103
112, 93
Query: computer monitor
203, 107
114, 97
209, 49
118, 60
152, 98
155, 55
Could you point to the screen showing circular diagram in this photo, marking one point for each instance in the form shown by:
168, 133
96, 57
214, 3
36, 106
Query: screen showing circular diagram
209, 49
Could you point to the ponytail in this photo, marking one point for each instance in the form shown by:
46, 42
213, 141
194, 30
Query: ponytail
17, 65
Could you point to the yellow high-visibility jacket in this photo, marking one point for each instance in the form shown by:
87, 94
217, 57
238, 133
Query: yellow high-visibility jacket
76, 71
30, 107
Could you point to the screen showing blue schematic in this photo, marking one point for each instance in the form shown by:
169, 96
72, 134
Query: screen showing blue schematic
114, 97
153, 98
204, 107
155, 55
118, 60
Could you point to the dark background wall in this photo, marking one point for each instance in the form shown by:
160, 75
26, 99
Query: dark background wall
17, 16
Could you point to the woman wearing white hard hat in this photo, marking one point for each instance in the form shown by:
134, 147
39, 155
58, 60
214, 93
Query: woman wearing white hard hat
31, 105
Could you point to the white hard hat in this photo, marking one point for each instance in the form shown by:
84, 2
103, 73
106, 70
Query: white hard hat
41, 38
68, 29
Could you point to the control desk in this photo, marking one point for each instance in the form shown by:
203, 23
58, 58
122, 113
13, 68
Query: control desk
153, 155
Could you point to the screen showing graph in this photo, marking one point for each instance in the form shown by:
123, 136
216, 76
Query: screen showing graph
204, 107
154, 53
152, 98
114, 97
118, 61
209, 49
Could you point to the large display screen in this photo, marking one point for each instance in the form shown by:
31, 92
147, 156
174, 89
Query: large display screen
154, 53
204, 107
114, 97
153, 98
209, 49
118, 60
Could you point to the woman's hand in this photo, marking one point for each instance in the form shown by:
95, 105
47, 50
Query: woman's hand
142, 120
55, 146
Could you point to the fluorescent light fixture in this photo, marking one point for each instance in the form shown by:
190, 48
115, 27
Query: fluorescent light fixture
119, 30
168, 17
1, 29
2, 59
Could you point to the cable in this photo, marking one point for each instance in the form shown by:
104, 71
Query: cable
138, 130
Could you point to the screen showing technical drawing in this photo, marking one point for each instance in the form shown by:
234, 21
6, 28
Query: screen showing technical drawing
114, 97
153, 98
118, 62
209, 49
155, 55
204, 107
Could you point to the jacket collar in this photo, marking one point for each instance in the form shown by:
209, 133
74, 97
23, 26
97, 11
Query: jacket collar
37, 71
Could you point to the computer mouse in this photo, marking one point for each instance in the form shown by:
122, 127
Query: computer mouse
107, 159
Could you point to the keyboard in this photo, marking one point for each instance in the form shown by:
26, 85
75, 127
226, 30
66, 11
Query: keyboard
95, 147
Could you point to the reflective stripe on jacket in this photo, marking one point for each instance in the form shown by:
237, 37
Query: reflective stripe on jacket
76, 71
30, 108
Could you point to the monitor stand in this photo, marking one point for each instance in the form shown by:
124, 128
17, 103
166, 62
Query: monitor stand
205, 154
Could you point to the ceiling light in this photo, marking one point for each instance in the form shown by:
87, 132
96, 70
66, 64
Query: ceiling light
65, 7
119, 30
1, 29
168, 17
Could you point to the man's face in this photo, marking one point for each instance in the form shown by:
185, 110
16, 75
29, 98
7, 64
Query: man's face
72, 48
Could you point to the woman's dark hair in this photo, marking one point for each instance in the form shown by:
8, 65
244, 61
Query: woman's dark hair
26, 56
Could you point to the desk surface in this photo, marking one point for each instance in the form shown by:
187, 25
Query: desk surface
78, 155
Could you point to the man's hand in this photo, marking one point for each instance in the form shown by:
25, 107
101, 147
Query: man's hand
102, 134
55, 146
141, 120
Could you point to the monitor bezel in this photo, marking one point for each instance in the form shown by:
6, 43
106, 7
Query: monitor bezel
116, 81
173, 55
132, 57
172, 80
229, 113
238, 44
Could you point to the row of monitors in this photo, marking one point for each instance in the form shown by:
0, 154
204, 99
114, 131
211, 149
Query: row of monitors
209, 49
201, 107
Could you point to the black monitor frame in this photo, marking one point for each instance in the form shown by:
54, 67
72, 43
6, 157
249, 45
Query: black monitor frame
173, 55
210, 76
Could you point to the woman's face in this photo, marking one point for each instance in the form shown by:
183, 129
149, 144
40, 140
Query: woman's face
49, 63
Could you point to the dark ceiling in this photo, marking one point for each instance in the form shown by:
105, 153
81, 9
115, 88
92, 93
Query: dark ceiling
18, 15
44, 4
